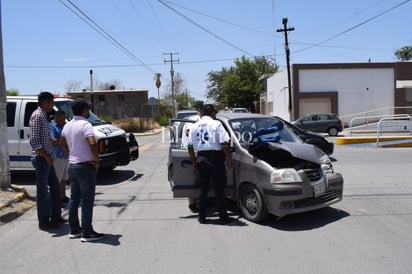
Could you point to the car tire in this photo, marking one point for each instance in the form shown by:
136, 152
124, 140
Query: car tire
333, 131
170, 176
251, 204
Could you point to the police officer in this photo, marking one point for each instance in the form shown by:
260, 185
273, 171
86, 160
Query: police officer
211, 141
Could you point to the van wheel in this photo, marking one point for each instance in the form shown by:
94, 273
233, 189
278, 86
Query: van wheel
251, 204
333, 131
170, 174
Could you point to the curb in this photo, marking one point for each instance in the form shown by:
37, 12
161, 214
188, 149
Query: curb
369, 139
20, 196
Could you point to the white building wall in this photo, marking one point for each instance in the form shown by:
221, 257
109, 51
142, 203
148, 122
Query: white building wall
359, 90
277, 94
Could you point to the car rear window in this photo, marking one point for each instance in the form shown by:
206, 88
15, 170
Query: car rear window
182, 115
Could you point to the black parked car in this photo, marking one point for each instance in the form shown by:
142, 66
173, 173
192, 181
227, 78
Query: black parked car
320, 122
313, 138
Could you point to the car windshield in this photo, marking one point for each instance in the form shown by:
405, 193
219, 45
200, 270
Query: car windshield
66, 107
244, 129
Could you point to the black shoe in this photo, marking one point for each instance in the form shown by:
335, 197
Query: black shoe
226, 220
201, 220
90, 237
49, 226
75, 234
193, 208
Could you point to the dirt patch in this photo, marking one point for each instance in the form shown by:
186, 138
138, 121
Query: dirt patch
14, 202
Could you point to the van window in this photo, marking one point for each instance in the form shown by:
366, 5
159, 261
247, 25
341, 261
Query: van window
11, 113
30, 107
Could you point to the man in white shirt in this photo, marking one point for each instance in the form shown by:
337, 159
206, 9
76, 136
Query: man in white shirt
211, 141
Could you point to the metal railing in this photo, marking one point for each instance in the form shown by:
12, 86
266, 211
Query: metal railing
374, 118
385, 119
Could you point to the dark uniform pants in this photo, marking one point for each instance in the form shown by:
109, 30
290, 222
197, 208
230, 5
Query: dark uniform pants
211, 169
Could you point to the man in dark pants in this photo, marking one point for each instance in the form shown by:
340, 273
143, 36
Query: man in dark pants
79, 142
47, 183
211, 141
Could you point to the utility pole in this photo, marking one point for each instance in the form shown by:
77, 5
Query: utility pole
172, 72
91, 90
5, 179
285, 31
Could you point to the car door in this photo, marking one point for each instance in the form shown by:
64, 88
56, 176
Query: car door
13, 132
307, 122
182, 176
322, 123
20, 150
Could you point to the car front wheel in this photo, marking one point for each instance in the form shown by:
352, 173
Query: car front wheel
333, 131
251, 204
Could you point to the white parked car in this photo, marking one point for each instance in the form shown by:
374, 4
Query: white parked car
116, 147
240, 110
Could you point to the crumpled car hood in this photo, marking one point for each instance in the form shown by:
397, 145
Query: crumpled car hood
108, 130
287, 154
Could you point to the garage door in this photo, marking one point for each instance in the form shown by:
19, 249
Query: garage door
314, 105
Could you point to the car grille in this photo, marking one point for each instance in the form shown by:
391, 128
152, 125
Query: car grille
329, 196
313, 174
114, 144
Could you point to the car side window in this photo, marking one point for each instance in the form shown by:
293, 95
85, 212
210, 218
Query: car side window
307, 118
11, 113
30, 107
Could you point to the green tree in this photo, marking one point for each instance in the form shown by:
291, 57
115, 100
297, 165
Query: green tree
12, 92
239, 85
404, 54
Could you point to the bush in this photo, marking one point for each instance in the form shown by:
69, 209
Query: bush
135, 125
106, 118
164, 121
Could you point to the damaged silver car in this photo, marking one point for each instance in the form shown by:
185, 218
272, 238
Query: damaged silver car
273, 172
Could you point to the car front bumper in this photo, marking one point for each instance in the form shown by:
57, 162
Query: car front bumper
285, 199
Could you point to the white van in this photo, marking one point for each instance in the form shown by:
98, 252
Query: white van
116, 147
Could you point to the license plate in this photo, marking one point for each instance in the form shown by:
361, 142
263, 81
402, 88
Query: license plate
319, 189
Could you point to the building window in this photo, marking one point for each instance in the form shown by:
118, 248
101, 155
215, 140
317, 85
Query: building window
101, 98
120, 97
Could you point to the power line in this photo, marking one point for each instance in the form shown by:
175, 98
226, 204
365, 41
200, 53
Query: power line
204, 29
219, 19
82, 15
125, 65
354, 27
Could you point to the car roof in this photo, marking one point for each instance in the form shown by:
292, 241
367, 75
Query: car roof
188, 111
237, 115
35, 97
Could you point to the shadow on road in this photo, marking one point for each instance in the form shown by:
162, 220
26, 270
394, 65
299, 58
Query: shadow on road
112, 177
308, 220
116, 176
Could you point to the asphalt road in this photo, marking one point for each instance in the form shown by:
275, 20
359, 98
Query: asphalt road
150, 232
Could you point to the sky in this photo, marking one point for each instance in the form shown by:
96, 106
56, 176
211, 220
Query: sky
48, 44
